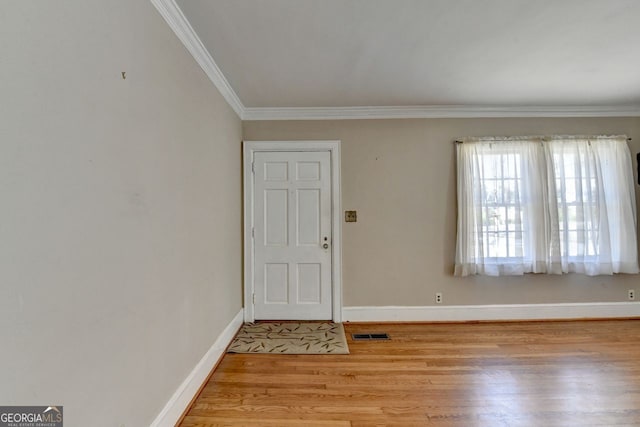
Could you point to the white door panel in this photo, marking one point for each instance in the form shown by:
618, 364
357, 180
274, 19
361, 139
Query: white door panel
292, 220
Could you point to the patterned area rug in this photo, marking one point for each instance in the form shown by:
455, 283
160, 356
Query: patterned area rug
290, 338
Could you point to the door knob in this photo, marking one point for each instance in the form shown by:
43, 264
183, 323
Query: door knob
325, 246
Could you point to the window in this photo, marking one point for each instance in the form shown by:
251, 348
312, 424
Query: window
577, 199
501, 213
545, 205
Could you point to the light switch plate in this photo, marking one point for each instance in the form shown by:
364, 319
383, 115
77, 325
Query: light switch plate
350, 216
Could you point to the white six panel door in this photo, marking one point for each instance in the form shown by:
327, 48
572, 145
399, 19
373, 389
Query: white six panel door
292, 232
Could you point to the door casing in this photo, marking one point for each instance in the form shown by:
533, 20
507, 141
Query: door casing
249, 149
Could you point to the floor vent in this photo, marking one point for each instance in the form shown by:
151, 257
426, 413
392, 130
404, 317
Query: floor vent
365, 337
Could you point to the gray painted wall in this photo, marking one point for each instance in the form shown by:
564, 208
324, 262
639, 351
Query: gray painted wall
400, 177
120, 227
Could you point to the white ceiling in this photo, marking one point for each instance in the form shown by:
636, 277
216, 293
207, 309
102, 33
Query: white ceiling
480, 53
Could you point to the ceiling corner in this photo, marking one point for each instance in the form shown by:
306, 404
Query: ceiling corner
172, 13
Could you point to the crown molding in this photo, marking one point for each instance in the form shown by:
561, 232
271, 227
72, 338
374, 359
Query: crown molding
437, 111
172, 13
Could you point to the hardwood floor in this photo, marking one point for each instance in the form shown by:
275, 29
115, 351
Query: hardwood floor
575, 373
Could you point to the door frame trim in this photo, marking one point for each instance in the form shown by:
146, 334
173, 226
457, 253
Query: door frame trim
249, 148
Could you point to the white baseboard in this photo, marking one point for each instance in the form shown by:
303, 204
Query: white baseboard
189, 387
491, 312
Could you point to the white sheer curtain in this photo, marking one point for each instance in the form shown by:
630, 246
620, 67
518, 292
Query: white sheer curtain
545, 205
596, 204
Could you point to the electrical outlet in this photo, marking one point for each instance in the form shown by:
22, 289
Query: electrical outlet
631, 293
438, 297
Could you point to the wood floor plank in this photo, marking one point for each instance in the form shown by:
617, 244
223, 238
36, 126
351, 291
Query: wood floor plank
577, 373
